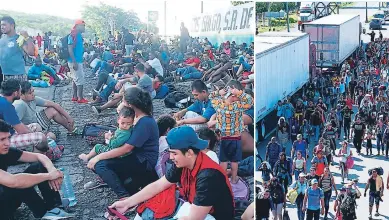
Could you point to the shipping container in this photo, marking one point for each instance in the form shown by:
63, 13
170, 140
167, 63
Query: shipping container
281, 68
336, 38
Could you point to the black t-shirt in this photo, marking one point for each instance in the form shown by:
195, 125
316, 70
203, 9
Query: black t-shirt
358, 129
372, 183
347, 113
262, 207
308, 112
129, 39
211, 190
9, 159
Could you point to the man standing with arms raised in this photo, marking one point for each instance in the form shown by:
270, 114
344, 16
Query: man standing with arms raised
13, 48
75, 60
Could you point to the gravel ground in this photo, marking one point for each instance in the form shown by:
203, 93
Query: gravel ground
91, 204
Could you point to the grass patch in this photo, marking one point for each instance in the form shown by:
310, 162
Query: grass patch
346, 4
277, 28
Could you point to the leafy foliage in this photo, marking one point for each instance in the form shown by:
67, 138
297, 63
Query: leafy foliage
261, 7
58, 25
103, 18
235, 3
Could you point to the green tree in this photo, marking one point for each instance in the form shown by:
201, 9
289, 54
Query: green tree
261, 7
103, 18
234, 3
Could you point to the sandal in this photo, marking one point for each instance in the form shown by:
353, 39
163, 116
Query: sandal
75, 132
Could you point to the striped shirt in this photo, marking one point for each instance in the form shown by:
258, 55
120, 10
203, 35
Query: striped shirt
326, 183
229, 116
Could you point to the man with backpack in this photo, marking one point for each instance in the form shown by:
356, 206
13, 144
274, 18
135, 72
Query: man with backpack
283, 171
75, 45
376, 186
345, 203
273, 151
15, 49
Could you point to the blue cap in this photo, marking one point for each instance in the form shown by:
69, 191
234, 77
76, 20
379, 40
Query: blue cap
184, 137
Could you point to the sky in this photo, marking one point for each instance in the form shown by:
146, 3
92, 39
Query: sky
177, 11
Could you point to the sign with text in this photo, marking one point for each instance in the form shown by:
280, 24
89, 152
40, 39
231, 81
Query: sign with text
153, 16
235, 23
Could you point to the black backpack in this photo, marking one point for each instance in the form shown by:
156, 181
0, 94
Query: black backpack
348, 205
171, 87
177, 100
63, 49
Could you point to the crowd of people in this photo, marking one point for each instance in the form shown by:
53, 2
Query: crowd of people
187, 164
337, 116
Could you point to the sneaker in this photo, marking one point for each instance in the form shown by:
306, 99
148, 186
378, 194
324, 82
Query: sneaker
96, 109
95, 94
370, 215
94, 184
377, 214
74, 99
57, 213
82, 101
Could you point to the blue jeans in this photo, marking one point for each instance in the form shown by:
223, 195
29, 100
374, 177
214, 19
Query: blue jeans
186, 70
316, 128
246, 166
115, 171
107, 91
297, 173
192, 75
299, 203
104, 66
380, 144
246, 66
327, 198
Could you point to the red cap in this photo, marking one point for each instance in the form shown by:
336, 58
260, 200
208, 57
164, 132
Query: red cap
79, 21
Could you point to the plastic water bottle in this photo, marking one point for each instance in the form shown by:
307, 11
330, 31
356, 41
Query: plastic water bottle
67, 188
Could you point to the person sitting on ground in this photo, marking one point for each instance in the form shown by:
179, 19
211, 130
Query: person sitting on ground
189, 71
119, 138
206, 187
28, 113
200, 112
143, 81
230, 104
165, 124
20, 188
206, 63
23, 137
219, 71
141, 150
161, 89
35, 71
153, 66
209, 135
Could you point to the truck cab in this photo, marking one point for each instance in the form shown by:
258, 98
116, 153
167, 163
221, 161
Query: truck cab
306, 14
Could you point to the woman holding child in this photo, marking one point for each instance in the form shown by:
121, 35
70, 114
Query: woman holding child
131, 164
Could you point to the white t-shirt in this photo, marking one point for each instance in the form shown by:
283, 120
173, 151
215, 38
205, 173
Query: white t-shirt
210, 154
156, 64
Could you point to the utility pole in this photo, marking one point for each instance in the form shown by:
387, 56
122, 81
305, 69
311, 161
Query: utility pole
367, 20
164, 20
202, 7
287, 16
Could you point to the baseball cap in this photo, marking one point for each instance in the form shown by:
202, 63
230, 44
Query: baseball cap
314, 181
302, 175
79, 21
184, 137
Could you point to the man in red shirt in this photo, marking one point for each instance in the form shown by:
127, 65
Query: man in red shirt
202, 182
190, 71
